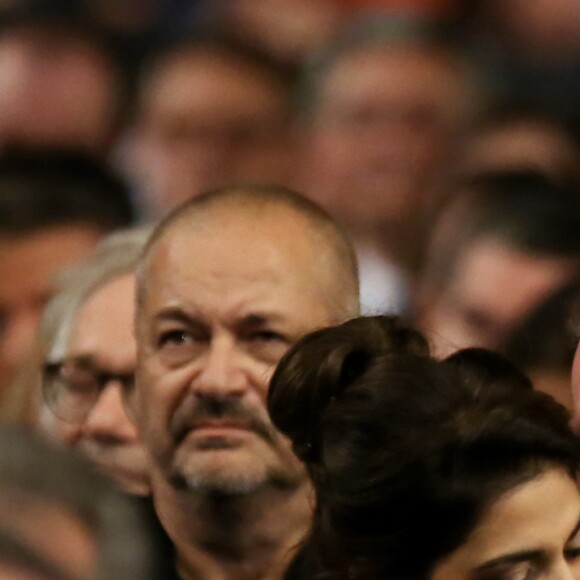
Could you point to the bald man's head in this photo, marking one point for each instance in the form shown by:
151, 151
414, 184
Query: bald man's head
228, 283
270, 216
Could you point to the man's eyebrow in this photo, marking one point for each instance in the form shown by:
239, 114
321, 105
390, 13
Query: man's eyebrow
513, 558
259, 318
173, 313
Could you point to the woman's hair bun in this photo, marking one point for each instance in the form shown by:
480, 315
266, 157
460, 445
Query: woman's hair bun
324, 364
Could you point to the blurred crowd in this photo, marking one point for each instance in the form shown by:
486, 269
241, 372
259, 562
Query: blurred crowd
442, 135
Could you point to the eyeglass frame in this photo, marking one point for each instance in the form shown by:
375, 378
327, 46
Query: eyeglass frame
52, 370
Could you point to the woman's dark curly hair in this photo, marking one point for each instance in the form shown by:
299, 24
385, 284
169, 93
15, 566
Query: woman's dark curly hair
405, 451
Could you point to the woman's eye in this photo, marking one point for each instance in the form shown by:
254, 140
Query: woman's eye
517, 571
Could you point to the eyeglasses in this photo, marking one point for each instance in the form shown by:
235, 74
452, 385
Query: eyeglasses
71, 388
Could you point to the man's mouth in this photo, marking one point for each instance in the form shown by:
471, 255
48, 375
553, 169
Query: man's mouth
219, 427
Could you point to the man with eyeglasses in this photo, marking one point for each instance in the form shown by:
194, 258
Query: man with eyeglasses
87, 334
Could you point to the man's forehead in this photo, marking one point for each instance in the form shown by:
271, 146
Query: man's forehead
229, 227
250, 250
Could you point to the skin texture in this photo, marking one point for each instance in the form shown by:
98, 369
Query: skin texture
529, 532
492, 288
28, 263
224, 298
103, 336
206, 121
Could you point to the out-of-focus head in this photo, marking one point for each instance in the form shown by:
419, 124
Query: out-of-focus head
228, 282
90, 358
538, 30
510, 138
502, 245
18, 561
60, 85
54, 207
290, 30
403, 451
543, 344
381, 108
210, 113
59, 507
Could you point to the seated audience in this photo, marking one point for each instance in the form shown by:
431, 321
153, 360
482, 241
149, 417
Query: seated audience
424, 471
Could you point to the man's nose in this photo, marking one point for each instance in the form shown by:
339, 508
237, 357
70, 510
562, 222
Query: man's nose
107, 420
222, 374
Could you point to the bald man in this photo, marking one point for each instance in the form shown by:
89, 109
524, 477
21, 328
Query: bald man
227, 283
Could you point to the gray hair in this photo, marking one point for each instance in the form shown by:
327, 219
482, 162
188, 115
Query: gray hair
117, 255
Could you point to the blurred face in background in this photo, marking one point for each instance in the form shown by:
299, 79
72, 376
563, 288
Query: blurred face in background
56, 90
491, 289
519, 145
382, 123
544, 29
102, 343
29, 262
207, 120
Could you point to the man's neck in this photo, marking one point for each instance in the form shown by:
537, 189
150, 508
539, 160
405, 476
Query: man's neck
245, 537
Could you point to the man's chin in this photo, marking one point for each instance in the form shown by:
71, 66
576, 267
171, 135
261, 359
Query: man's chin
219, 466
224, 482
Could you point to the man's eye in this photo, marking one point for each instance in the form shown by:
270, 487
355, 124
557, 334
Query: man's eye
267, 336
174, 337
572, 553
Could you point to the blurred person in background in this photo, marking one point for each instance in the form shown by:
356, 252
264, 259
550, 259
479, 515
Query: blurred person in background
54, 207
512, 137
288, 30
60, 84
381, 110
209, 113
500, 247
544, 343
60, 508
86, 335
530, 50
